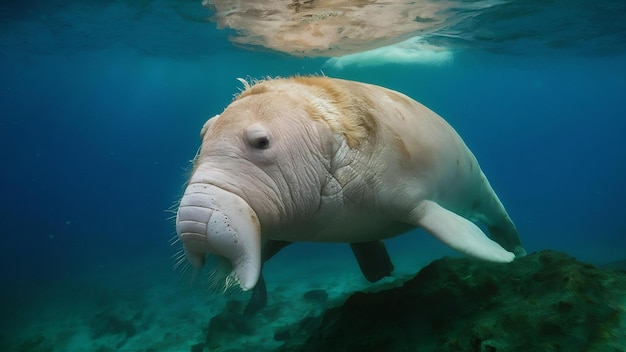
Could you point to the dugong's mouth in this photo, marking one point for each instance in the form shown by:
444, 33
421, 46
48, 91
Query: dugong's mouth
211, 220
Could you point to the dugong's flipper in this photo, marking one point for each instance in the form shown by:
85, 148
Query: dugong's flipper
503, 235
258, 300
458, 233
372, 257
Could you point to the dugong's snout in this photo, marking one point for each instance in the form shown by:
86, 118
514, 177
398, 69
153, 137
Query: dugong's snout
211, 220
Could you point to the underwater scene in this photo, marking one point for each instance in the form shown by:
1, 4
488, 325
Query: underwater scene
313, 175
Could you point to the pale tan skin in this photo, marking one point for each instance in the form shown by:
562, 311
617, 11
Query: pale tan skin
327, 160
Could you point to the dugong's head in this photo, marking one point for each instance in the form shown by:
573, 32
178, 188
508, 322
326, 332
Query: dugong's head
261, 168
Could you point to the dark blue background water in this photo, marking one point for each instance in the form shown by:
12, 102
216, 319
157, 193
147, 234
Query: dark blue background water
101, 107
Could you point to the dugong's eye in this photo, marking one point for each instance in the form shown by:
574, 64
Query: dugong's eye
261, 142
258, 137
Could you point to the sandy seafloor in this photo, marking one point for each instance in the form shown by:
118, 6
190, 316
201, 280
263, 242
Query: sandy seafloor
170, 312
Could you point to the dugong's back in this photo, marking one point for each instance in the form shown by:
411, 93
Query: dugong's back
416, 151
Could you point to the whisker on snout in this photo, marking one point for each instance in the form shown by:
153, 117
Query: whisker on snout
177, 265
182, 264
174, 240
174, 206
181, 260
220, 278
173, 209
179, 254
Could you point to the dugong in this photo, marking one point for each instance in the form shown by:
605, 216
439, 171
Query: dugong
329, 160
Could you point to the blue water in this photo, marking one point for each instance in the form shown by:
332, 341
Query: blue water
101, 108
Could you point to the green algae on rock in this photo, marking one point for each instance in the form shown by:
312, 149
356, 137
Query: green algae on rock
546, 301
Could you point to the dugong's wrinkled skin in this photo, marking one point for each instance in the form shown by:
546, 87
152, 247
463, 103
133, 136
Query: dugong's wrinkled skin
328, 160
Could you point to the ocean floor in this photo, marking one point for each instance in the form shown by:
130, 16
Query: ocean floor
142, 304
